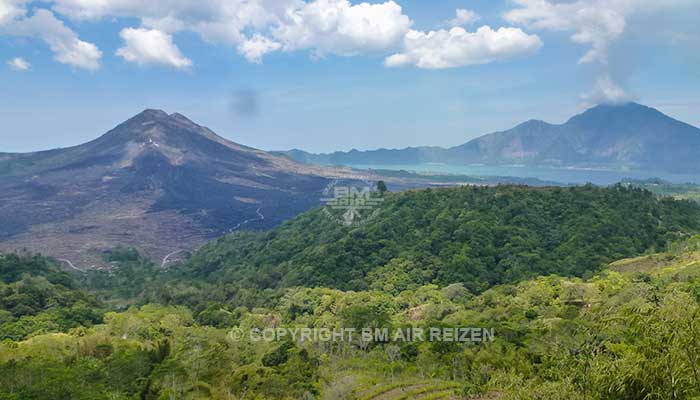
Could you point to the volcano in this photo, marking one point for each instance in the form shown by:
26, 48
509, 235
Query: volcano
157, 182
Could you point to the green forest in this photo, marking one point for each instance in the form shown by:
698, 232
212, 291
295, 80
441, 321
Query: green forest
591, 293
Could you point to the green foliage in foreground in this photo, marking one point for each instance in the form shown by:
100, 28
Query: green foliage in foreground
617, 335
36, 297
478, 236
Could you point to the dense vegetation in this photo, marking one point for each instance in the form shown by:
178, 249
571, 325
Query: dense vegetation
630, 332
531, 264
36, 297
478, 236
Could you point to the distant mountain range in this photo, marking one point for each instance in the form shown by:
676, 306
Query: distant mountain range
157, 182
626, 136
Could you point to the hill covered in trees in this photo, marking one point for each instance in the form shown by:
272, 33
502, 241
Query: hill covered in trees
477, 236
36, 296
546, 271
628, 331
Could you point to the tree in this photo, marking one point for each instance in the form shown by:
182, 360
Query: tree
381, 187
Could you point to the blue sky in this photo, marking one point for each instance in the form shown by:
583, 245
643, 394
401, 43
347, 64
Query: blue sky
325, 75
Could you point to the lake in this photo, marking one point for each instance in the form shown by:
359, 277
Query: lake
561, 175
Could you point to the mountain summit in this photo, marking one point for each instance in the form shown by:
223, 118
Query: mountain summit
173, 137
158, 182
624, 136
629, 136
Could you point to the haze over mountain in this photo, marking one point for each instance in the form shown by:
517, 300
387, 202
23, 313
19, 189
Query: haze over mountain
626, 136
157, 182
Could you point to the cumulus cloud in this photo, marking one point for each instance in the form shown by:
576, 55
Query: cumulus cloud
191, 14
336, 26
255, 48
151, 46
63, 42
258, 27
11, 9
19, 64
463, 18
213, 20
458, 47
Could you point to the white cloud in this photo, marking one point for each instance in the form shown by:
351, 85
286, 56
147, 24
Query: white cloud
336, 26
151, 46
190, 13
19, 64
343, 27
607, 91
458, 47
63, 42
10, 10
256, 27
255, 48
222, 21
463, 18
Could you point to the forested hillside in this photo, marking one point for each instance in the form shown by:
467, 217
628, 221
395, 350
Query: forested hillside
36, 296
478, 236
627, 332
546, 271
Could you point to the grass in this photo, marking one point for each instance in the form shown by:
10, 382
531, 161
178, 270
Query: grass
656, 264
438, 391
424, 389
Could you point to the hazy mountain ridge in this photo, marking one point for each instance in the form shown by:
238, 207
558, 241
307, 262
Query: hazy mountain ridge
408, 155
627, 136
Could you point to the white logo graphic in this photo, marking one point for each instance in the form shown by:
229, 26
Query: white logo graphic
351, 205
